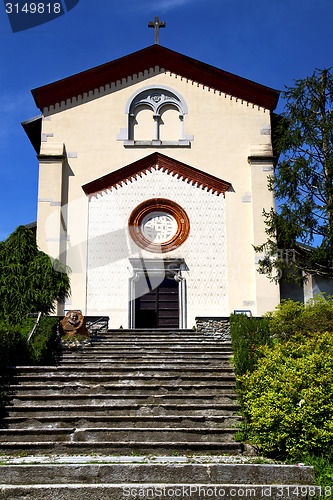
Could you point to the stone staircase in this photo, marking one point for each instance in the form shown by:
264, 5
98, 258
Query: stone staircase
142, 392
168, 395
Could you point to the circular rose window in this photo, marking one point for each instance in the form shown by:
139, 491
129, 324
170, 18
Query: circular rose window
159, 225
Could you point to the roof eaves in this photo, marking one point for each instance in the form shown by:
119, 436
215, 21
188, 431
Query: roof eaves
162, 162
150, 57
33, 129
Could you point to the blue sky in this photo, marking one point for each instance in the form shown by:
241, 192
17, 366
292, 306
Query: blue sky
271, 42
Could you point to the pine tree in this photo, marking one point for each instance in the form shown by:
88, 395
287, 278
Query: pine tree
30, 280
300, 231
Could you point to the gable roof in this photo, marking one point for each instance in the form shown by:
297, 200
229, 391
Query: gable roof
150, 57
160, 162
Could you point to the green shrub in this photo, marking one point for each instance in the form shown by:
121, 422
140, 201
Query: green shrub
247, 334
290, 317
15, 348
13, 345
287, 400
43, 345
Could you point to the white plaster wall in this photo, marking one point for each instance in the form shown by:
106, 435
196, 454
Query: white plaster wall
110, 247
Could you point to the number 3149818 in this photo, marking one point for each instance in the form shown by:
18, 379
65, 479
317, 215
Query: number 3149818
33, 8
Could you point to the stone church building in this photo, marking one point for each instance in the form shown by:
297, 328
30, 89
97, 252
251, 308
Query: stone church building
152, 181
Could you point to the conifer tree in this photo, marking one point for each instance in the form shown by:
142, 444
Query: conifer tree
30, 280
300, 231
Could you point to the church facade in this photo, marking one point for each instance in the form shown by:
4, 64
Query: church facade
152, 181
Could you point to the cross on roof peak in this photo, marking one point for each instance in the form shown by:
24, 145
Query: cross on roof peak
156, 24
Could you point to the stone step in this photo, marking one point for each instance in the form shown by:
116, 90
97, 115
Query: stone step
119, 399
161, 331
145, 364
146, 342
162, 470
201, 339
128, 362
166, 339
151, 331
180, 344
161, 340
131, 334
89, 420
161, 336
149, 336
150, 348
93, 354
103, 348
151, 370
164, 491
116, 434
78, 378
156, 331
203, 409
183, 342
42, 389
122, 447
142, 354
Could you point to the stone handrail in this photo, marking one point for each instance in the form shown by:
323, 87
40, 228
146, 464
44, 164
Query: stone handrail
35, 326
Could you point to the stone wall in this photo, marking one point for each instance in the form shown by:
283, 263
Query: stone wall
216, 327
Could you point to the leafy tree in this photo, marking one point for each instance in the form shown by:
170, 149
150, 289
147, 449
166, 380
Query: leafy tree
30, 280
300, 233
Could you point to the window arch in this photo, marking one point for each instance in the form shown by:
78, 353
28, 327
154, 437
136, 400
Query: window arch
166, 123
169, 123
141, 122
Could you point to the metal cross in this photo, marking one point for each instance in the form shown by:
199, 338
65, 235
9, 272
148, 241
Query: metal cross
157, 24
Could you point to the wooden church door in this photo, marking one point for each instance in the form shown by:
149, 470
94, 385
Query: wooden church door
159, 308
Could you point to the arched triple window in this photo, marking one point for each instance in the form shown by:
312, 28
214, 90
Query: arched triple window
156, 116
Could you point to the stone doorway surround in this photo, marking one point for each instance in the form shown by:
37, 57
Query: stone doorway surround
157, 270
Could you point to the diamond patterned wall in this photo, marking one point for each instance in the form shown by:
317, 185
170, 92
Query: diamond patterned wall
110, 247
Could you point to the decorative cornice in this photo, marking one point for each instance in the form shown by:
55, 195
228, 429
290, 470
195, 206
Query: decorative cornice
144, 60
157, 161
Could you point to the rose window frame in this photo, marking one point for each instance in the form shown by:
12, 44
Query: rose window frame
159, 206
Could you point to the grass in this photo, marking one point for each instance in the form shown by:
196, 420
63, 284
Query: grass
323, 470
